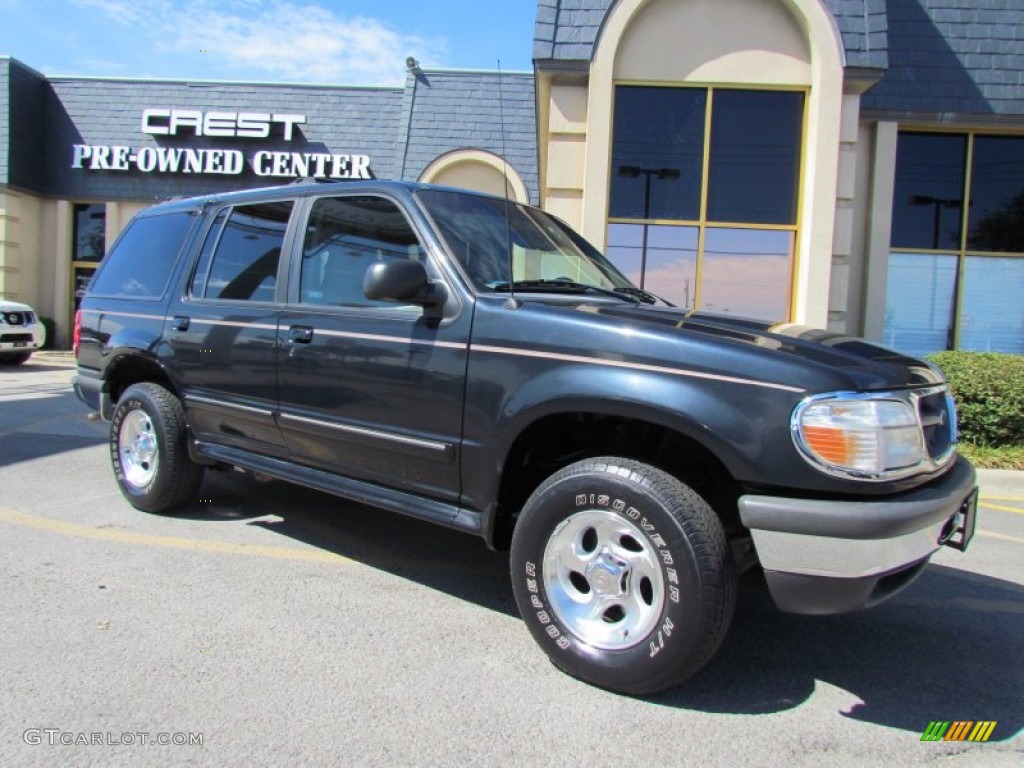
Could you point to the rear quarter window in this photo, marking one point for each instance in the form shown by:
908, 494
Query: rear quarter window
140, 264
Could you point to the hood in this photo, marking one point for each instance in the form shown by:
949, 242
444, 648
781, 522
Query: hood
808, 356
14, 306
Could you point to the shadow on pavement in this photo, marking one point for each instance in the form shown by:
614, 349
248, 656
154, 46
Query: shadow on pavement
33, 367
440, 558
27, 446
948, 648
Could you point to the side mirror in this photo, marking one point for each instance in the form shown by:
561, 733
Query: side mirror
401, 280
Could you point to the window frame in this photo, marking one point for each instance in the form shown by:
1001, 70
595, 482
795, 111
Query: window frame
703, 223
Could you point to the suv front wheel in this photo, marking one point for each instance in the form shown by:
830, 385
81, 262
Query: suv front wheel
622, 574
149, 450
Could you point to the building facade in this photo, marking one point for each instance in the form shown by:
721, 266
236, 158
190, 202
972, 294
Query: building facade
856, 164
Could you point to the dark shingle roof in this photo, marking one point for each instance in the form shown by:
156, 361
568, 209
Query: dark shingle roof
464, 110
953, 56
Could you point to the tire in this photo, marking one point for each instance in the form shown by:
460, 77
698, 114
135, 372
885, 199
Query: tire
149, 450
17, 359
623, 575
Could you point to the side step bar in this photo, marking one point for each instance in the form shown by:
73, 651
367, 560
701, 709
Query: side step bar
449, 515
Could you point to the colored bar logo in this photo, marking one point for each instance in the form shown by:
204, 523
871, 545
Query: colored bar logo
959, 730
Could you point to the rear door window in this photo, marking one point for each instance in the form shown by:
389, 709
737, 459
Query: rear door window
241, 253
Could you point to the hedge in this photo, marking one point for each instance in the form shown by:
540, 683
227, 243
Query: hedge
989, 392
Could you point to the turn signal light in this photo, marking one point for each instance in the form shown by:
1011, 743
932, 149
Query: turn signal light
859, 435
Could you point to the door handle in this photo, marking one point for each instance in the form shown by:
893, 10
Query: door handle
180, 323
300, 334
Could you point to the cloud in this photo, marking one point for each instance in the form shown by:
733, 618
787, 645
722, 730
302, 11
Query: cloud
257, 39
124, 12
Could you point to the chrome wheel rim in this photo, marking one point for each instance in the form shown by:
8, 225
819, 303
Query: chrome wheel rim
138, 450
603, 579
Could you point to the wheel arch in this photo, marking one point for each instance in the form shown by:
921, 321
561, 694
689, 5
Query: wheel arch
127, 367
556, 437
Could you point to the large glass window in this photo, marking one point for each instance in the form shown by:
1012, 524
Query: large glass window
90, 232
747, 272
660, 259
956, 271
88, 244
996, 221
929, 193
992, 307
657, 153
704, 195
755, 156
919, 302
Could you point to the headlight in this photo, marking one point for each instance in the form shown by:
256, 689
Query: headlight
860, 435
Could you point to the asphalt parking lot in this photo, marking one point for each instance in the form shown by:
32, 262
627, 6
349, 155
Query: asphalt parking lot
279, 626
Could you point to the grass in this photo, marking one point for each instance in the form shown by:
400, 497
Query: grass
987, 457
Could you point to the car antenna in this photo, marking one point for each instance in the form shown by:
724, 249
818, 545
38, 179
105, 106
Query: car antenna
511, 304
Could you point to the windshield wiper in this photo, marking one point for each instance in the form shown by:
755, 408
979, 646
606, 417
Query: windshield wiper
645, 296
566, 285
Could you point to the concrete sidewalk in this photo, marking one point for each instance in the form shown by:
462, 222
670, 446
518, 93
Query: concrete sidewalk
1001, 482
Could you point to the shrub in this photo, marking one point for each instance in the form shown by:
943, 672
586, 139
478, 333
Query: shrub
51, 332
989, 392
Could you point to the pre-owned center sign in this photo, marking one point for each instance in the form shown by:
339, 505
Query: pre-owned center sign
161, 121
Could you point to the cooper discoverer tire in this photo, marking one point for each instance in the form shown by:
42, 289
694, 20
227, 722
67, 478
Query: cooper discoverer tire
149, 451
623, 575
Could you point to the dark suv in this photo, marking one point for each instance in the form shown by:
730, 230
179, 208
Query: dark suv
474, 362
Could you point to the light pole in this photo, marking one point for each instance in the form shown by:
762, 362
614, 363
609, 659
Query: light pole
663, 174
938, 203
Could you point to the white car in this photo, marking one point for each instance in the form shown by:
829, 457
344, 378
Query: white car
21, 332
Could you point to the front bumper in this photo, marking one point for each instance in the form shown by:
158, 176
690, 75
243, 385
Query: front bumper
837, 556
16, 339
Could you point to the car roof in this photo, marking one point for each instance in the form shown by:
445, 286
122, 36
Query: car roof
299, 188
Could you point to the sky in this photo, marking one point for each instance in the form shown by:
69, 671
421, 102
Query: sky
343, 42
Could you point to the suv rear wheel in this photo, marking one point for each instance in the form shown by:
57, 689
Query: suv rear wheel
149, 450
622, 574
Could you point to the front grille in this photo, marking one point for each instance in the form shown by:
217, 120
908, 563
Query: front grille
18, 318
935, 410
16, 337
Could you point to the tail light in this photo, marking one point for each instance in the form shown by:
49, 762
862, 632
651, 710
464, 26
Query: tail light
76, 336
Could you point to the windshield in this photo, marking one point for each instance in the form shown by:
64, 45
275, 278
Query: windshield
544, 251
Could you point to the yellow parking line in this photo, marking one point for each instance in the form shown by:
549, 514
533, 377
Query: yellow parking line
1000, 507
1003, 498
169, 542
